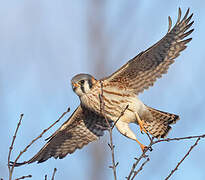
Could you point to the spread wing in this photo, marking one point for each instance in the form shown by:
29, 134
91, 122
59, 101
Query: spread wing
142, 71
80, 129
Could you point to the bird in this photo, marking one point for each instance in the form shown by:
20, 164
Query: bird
103, 101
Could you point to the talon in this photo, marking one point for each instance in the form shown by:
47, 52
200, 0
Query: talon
141, 130
149, 148
143, 147
141, 124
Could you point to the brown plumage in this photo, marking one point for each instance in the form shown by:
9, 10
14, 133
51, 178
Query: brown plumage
75, 133
118, 91
142, 71
159, 127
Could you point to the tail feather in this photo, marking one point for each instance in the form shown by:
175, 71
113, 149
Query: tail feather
159, 127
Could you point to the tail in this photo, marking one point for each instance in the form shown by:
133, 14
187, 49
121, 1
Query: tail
159, 127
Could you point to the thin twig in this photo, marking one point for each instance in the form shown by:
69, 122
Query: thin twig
140, 169
54, 172
190, 149
143, 155
114, 165
159, 141
11, 147
181, 138
122, 113
24, 177
43, 132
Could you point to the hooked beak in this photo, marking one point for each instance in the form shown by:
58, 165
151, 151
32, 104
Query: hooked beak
74, 86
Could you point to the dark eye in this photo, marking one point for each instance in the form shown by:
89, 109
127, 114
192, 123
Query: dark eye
82, 81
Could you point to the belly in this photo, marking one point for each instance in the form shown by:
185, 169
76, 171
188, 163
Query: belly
134, 106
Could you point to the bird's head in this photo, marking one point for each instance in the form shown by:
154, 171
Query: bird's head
82, 83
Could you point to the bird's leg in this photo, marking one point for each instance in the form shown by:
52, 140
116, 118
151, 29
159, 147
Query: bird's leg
124, 129
141, 124
142, 146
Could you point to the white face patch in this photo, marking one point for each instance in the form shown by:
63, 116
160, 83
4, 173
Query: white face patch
79, 91
86, 87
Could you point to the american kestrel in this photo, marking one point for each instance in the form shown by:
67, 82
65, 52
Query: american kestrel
119, 91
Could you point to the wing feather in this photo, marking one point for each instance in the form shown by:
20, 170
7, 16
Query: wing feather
143, 70
80, 129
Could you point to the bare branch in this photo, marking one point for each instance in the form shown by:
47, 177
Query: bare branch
54, 172
114, 165
143, 155
181, 138
190, 149
24, 177
140, 169
122, 113
110, 128
11, 165
35, 139
11, 147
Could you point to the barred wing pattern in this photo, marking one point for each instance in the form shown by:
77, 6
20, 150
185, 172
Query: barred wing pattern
142, 71
80, 129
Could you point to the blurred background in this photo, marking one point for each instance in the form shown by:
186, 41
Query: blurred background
43, 44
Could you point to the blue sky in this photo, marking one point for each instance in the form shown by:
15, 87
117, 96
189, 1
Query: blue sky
43, 44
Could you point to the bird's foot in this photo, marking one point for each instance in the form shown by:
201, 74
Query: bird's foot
145, 148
